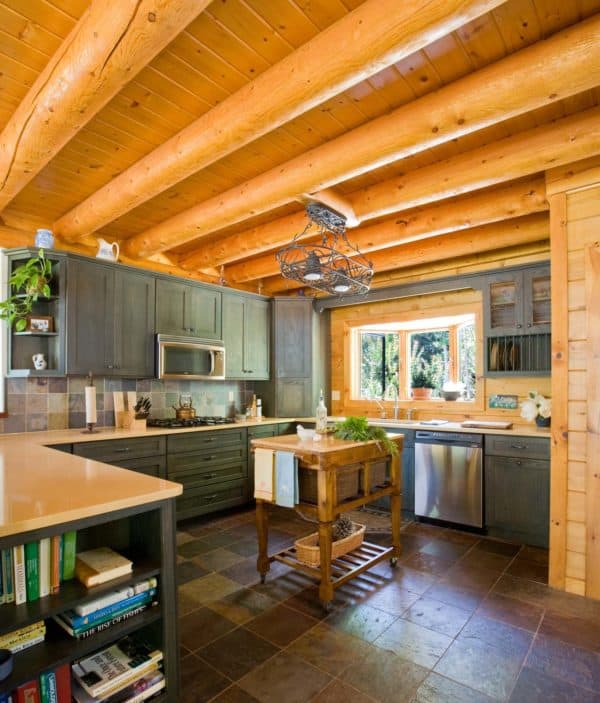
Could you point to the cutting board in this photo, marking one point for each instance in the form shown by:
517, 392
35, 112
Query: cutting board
487, 424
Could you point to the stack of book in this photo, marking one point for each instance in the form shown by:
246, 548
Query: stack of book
36, 569
125, 672
24, 637
109, 609
51, 687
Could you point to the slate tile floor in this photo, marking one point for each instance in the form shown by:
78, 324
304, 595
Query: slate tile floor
462, 619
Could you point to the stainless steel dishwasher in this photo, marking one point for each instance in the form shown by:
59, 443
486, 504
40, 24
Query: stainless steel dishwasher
449, 476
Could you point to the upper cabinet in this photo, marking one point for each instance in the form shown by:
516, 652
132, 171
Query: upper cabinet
110, 315
187, 310
517, 321
518, 302
45, 331
246, 337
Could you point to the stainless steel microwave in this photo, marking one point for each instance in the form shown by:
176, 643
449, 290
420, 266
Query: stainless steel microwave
188, 357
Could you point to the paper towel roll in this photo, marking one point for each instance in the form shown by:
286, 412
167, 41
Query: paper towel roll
90, 404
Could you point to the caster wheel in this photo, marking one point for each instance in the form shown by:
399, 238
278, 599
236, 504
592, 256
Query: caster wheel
393, 562
263, 578
328, 606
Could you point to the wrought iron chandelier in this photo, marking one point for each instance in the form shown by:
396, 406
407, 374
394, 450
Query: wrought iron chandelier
323, 265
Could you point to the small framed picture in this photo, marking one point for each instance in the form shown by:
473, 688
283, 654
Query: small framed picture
40, 323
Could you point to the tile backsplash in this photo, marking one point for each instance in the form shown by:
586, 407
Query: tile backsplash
46, 403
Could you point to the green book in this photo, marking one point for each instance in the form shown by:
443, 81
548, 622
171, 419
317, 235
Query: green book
7, 576
32, 570
48, 692
69, 548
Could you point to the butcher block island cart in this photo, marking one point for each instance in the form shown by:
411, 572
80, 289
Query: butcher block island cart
327, 464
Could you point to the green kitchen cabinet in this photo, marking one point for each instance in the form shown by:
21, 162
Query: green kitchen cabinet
110, 320
517, 488
146, 455
246, 337
187, 310
300, 354
408, 476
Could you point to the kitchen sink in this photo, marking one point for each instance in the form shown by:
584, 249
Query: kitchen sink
391, 421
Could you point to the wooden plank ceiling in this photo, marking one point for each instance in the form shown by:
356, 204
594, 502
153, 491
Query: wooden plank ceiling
193, 132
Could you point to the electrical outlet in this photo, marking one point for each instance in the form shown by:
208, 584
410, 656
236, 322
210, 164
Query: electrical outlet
335, 395
231, 396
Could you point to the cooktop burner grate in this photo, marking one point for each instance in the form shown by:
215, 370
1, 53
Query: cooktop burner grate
174, 423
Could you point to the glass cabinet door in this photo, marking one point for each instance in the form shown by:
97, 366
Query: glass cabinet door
504, 302
537, 312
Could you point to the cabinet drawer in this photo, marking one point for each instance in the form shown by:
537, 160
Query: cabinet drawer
194, 441
115, 450
211, 498
181, 465
151, 465
532, 447
264, 431
205, 476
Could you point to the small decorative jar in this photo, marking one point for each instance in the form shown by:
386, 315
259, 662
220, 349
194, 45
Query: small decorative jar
44, 239
542, 421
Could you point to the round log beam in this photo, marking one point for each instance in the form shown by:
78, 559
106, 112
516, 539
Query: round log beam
111, 43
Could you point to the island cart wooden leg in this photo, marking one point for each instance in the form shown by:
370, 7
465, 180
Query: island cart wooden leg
263, 563
326, 585
396, 506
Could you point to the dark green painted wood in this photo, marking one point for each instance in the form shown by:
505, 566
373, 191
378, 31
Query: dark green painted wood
507, 445
114, 450
246, 337
530, 326
188, 310
292, 329
134, 324
293, 397
67, 448
517, 499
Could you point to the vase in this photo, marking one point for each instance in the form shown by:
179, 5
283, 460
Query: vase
542, 421
421, 393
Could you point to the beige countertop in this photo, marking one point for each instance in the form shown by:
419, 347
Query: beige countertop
40, 487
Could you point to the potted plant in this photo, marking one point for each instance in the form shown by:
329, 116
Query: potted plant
537, 408
28, 282
423, 377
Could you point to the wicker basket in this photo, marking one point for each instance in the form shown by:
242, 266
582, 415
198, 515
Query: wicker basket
308, 552
347, 484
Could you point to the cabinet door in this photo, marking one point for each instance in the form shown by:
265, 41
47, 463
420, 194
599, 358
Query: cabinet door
202, 312
293, 338
134, 324
170, 306
293, 397
233, 337
536, 300
256, 339
90, 322
504, 303
408, 479
517, 503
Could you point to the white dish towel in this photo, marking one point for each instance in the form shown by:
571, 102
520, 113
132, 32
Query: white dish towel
263, 473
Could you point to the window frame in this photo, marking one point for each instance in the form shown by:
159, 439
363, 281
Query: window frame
353, 403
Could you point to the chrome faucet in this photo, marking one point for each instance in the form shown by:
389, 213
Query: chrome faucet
396, 402
409, 413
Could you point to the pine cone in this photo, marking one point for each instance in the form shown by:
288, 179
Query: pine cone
342, 527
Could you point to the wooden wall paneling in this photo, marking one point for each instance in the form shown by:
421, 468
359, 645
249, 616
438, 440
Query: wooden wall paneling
560, 391
577, 450
592, 284
577, 387
577, 471
576, 566
575, 586
576, 507
577, 413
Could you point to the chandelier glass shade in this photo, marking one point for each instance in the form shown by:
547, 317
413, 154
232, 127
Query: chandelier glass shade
331, 265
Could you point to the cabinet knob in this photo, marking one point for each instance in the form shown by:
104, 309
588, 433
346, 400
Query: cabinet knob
518, 462
109, 366
529, 324
518, 446
210, 439
519, 325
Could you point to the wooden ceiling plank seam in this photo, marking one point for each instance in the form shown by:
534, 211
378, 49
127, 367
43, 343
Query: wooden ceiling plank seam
33, 58
231, 49
469, 36
94, 62
157, 102
134, 102
476, 101
197, 79
417, 77
403, 36
455, 67
143, 117
556, 13
296, 20
53, 18
517, 36
320, 14
19, 72
482, 207
31, 34
240, 21
172, 90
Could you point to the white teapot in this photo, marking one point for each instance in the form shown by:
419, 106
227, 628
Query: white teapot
107, 250
39, 362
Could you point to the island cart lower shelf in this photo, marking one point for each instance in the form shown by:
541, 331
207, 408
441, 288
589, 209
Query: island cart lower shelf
332, 458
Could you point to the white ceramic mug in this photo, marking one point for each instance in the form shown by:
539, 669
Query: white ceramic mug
39, 362
107, 250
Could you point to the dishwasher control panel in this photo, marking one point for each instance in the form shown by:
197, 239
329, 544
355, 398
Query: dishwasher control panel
470, 439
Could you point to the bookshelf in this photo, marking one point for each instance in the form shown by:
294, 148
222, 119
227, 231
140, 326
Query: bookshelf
145, 534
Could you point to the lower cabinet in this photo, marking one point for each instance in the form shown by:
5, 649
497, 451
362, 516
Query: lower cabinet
517, 488
213, 468
408, 477
143, 454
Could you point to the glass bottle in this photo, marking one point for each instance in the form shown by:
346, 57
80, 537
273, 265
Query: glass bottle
321, 414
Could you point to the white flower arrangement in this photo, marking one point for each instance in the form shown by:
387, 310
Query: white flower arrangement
536, 406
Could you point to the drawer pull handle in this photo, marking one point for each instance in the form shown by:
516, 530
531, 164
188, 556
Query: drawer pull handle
124, 450
210, 458
519, 462
207, 477
211, 498
210, 439
518, 446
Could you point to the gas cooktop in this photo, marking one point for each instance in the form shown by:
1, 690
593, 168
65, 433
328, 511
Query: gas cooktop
175, 423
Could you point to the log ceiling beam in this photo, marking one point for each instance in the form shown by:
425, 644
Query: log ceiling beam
510, 233
565, 64
375, 35
335, 201
111, 43
479, 208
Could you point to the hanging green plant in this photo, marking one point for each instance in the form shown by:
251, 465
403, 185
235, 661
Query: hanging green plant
28, 282
359, 430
